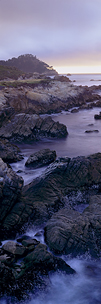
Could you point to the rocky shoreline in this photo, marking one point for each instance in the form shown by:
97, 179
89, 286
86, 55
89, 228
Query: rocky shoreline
46, 200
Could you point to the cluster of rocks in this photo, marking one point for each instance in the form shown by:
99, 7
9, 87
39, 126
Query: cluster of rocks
46, 200
50, 97
9, 152
26, 127
25, 265
45, 195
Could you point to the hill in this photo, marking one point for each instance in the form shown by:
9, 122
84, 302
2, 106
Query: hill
10, 72
29, 64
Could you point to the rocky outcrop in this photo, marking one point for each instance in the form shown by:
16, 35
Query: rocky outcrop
41, 158
46, 194
49, 96
23, 267
62, 78
97, 116
25, 127
5, 110
10, 189
68, 231
9, 152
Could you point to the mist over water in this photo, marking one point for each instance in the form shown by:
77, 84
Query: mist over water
84, 287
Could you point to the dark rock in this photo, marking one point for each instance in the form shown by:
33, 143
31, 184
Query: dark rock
68, 231
91, 125
29, 242
14, 248
45, 195
25, 127
74, 110
41, 158
33, 272
97, 116
40, 257
91, 131
23, 237
9, 152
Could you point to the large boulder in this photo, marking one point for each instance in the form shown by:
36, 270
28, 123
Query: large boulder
14, 248
68, 231
97, 116
25, 127
46, 194
9, 152
41, 158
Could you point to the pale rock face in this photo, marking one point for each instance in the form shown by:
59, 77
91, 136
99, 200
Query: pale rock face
10, 188
2, 100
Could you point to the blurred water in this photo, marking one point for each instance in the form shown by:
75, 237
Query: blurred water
76, 143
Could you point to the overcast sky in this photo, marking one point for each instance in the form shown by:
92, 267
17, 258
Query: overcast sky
59, 32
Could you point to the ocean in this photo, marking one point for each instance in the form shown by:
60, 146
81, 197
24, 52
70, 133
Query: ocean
86, 79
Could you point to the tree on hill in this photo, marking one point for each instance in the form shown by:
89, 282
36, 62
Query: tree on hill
29, 64
10, 72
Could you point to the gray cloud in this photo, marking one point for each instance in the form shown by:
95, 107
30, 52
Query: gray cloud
51, 29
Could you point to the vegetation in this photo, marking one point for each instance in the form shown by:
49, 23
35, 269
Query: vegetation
29, 64
10, 72
26, 82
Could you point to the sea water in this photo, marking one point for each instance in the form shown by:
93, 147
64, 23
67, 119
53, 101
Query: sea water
86, 79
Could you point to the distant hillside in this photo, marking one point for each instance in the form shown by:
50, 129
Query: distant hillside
10, 72
29, 64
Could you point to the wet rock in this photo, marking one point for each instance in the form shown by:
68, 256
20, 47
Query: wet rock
97, 116
40, 257
25, 127
68, 231
29, 242
17, 278
9, 152
41, 158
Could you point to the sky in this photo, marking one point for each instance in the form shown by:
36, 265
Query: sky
66, 34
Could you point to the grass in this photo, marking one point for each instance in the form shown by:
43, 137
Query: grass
24, 82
